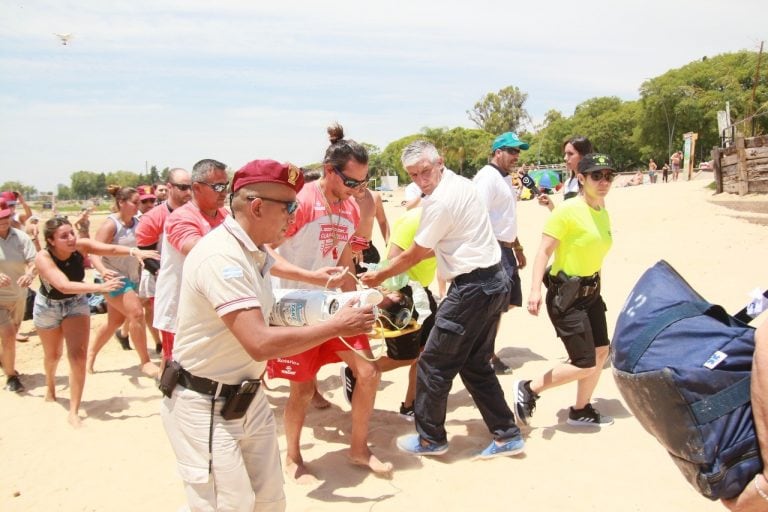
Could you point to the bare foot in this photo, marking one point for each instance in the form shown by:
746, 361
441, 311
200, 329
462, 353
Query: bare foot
299, 473
372, 463
319, 401
89, 364
74, 420
50, 396
150, 369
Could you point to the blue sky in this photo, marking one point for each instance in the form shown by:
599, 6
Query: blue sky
169, 82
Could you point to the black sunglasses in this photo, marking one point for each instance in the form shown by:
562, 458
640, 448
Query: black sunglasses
217, 187
181, 186
511, 151
349, 182
599, 175
290, 206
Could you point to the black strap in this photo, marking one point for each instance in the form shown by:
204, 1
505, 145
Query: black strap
668, 317
205, 386
722, 402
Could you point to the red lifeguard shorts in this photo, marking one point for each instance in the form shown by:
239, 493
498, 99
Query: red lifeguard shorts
303, 367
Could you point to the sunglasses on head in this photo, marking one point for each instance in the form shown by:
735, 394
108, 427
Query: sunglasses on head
599, 175
217, 187
290, 206
181, 186
349, 182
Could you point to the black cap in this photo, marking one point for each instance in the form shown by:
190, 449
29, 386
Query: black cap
595, 162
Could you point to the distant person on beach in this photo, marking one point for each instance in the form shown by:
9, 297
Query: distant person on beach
754, 497
494, 186
665, 173
652, 171
17, 271
578, 233
120, 229
461, 343
573, 151
61, 312
217, 418
33, 231
676, 159
83, 223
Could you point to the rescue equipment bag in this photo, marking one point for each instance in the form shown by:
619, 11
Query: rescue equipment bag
683, 367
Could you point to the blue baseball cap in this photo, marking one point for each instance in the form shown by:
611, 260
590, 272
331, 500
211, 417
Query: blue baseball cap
509, 140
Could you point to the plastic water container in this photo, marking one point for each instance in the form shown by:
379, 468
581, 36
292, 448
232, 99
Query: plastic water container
297, 308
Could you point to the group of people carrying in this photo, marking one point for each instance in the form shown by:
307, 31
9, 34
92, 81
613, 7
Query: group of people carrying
214, 294
286, 233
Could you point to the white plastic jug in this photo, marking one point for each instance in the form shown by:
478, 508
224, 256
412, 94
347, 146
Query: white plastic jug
296, 308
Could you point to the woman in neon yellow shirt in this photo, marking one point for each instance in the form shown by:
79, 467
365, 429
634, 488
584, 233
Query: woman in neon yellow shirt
578, 233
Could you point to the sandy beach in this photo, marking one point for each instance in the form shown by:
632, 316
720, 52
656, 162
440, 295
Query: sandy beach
121, 460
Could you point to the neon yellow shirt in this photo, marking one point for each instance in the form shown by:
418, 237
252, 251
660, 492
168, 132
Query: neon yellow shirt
584, 235
403, 232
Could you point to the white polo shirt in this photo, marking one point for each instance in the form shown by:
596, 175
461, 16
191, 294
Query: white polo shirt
224, 272
455, 224
500, 198
16, 251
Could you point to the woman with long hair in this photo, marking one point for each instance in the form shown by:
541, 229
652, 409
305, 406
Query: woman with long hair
123, 303
578, 233
573, 150
61, 311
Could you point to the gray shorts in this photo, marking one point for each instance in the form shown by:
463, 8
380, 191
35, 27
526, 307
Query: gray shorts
49, 313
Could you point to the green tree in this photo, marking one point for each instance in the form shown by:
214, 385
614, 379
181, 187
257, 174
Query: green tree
26, 190
687, 99
85, 184
64, 193
500, 112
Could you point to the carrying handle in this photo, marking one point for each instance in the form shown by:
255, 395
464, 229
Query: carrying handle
659, 323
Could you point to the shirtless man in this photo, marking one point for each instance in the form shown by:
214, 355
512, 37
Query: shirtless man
371, 207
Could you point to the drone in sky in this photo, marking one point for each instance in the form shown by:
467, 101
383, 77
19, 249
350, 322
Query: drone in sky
64, 38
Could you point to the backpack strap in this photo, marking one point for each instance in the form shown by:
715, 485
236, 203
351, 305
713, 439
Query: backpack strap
722, 402
668, 317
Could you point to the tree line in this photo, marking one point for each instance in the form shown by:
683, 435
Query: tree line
681, 100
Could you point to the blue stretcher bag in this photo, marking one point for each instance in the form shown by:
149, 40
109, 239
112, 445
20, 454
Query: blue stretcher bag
683, 367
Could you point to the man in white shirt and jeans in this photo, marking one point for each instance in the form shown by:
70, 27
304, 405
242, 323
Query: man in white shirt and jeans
456, 227
494, 184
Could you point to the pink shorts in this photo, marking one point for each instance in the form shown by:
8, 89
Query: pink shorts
303, 367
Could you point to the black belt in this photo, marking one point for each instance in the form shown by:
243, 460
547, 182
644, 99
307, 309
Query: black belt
480, 273
508, 245
205, 386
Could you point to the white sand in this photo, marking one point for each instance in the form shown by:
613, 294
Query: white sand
121, 460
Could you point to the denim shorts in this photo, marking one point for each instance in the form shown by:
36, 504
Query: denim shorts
49, 313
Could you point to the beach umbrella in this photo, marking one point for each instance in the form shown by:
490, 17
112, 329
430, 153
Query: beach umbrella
545, 178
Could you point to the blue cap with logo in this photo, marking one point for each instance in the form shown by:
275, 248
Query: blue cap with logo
509, 140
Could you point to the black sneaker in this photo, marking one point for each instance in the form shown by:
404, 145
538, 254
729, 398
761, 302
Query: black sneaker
407, 412
525, 401
14, 384
348, 382
123, 340
588, 417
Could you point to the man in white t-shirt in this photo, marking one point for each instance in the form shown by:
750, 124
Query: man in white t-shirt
461, 342
412, 196
217, 418
495, 187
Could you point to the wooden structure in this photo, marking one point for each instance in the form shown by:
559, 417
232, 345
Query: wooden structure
743, 167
